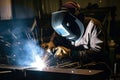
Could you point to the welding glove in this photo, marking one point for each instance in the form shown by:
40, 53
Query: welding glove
50, 45
48, 48
61, 52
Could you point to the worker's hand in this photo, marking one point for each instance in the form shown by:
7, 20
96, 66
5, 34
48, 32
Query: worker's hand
61, 52
50, 45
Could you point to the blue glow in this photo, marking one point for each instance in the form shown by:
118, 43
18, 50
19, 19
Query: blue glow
21, 44
38, 63
61, 30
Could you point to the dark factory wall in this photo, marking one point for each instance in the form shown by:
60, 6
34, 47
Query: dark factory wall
22, 9
48, 6
42, 9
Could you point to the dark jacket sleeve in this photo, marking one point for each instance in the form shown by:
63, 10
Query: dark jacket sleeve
96, 50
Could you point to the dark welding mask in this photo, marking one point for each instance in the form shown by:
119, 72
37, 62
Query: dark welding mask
67, 25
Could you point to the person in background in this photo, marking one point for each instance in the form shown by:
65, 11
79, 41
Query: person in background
78, 37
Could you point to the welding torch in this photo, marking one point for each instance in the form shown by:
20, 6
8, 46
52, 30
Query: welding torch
56, 55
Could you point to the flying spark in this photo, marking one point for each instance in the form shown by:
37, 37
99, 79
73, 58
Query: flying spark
25, 46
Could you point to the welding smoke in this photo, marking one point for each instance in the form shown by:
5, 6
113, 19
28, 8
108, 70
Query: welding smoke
25, 48
21, 45
28, 54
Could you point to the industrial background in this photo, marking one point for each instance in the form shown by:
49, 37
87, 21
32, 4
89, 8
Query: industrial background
18, 15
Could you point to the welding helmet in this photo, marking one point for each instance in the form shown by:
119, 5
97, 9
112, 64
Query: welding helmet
67, 25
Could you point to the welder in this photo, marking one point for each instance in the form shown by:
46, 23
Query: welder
78, 37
